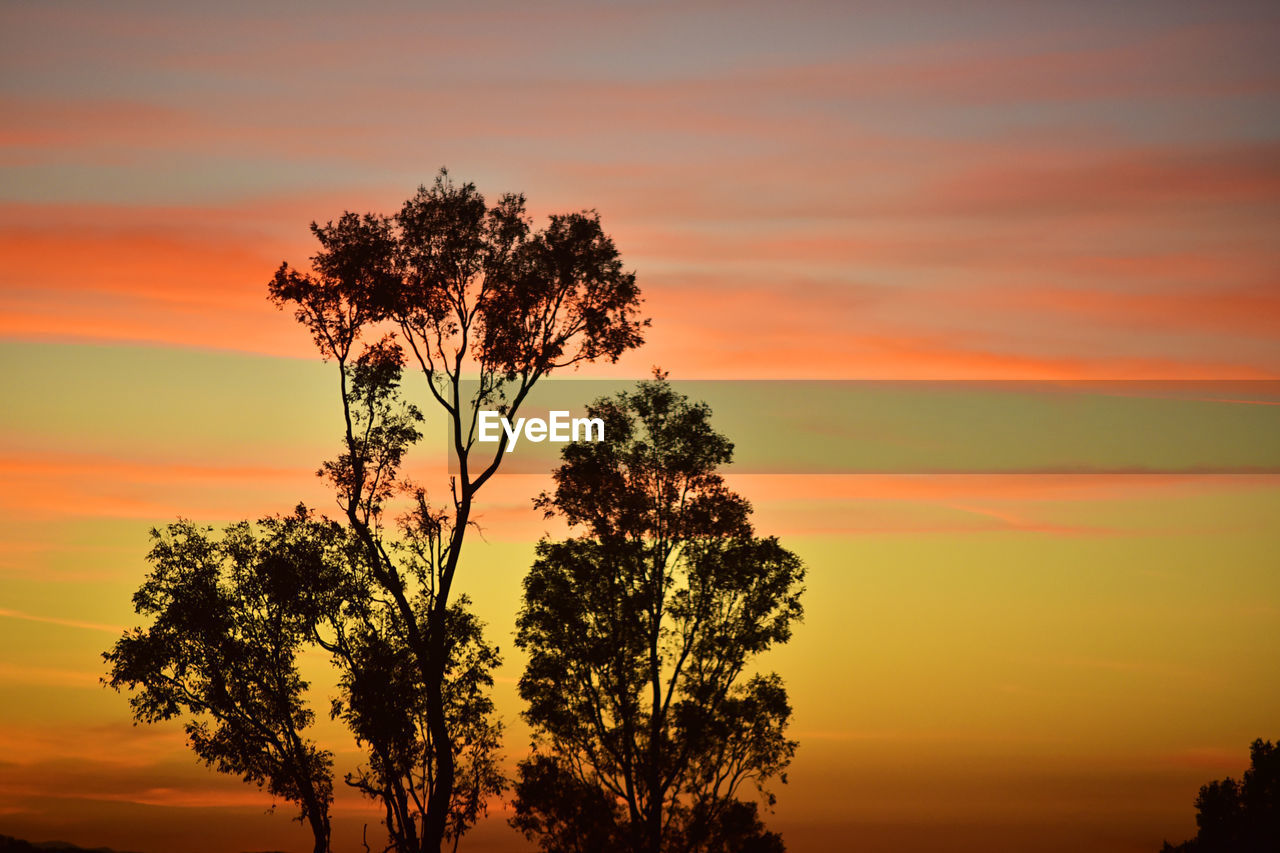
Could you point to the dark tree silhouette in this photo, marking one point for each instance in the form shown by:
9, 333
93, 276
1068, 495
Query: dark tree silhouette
467, 289
1239, 817
229, 616
470, 289
641, 632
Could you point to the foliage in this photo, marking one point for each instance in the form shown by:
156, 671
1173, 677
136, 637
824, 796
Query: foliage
383, 703
640, 634
1240, 817
229, 618
465, 288
453, 286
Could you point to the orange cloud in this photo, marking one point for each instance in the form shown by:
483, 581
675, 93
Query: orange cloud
795, 504
80, 486
1233, 309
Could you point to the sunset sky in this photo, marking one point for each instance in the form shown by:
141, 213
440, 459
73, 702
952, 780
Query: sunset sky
898, 190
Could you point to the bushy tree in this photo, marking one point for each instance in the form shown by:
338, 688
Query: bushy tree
468, 289
641, 633
229, 616
461, 290
1239, 817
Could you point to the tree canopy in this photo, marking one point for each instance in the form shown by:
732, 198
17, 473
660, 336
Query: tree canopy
1243, 816
641, 631
229, 617
449, 287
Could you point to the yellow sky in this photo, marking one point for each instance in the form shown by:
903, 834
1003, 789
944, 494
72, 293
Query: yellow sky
833, 191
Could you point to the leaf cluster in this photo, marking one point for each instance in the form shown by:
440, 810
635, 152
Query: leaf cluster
1239, 816
640, 634
229, 617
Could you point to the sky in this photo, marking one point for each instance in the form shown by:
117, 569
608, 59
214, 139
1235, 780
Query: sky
821, 191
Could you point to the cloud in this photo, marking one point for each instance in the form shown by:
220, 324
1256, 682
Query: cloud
57, 675
82, 485
1229, 308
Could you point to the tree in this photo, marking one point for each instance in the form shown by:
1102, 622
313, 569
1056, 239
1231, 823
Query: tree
229, 617
640, 632
457, 288
1239, 817
469, 289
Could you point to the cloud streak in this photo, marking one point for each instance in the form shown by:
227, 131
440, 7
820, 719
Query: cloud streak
6, 613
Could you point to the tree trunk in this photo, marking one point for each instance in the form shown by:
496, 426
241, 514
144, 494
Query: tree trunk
436, 819
320, 829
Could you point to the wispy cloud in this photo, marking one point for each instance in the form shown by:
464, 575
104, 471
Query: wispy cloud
6, 613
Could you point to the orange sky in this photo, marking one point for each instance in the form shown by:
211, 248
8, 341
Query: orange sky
817, 190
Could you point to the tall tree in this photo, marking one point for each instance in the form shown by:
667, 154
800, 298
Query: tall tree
229, 616
470, 290
640, 634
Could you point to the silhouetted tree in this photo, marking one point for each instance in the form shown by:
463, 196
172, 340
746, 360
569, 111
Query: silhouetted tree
1239, 817
229, 616
469, 289
640, 634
